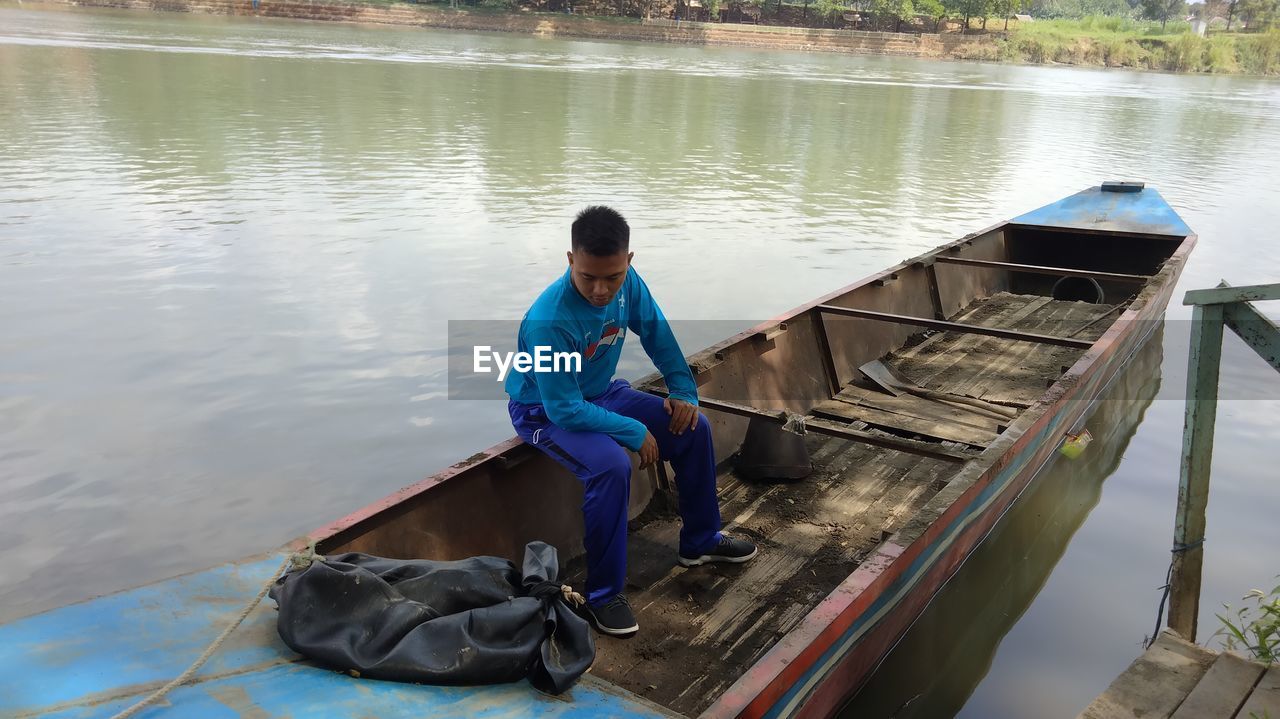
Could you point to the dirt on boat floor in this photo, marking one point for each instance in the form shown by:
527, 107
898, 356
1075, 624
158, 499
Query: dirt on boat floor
701, 628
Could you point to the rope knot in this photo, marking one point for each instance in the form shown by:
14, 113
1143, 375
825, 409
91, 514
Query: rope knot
571, 597
1179, 548
794, 423
550, 589
301, 560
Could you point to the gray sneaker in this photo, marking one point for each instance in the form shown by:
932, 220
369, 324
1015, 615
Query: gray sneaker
732, 551
613, 617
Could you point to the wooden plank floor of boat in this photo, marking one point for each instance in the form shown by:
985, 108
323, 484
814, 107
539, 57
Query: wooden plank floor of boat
700, 628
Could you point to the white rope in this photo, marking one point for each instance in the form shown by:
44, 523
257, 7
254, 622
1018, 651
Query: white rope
571, 597
296, 560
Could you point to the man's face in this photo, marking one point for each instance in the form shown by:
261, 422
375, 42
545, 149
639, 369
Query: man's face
597, 278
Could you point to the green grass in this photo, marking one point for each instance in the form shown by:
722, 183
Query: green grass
1099, 28
1260, 54
1123, 42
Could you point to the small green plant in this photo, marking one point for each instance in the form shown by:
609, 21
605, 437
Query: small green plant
1260, 53
1221, 56
1255, 627
1185, 53
1121, 53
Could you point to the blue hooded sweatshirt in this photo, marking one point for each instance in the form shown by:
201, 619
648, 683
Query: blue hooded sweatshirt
562, 320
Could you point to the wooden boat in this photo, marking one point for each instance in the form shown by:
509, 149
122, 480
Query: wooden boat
903, 489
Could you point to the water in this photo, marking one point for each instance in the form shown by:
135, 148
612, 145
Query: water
229, 249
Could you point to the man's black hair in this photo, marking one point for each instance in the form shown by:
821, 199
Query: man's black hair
601, 231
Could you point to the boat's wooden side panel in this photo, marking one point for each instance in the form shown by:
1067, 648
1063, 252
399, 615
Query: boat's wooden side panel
1054, 247
493, 508
784, 371
492, 511
493, 504
958, 286
857, 341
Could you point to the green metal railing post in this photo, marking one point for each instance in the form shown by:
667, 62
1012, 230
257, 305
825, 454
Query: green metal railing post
1197, 454
1213, 308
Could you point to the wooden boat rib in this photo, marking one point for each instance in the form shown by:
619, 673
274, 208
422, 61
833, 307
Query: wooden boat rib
903, 489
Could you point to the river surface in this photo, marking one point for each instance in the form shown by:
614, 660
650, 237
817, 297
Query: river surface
230, 248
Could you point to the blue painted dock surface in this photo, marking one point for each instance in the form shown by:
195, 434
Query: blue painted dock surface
99, 657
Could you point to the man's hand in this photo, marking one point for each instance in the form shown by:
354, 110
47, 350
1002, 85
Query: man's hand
648, 451
683, 415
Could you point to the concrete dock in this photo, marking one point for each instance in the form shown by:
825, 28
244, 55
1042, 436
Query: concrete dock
1176, 679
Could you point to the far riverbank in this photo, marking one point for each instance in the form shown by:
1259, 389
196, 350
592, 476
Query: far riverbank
942, 46
1258, 54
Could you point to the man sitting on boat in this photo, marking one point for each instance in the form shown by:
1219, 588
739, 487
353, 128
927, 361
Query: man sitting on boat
584, 419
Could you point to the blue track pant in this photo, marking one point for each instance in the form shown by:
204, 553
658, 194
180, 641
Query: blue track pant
604, 467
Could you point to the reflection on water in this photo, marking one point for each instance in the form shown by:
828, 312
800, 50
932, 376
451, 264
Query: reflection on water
230, 248
947, 652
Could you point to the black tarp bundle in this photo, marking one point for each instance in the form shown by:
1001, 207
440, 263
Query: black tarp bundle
472, 621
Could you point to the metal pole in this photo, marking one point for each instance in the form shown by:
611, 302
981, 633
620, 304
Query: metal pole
956, 327
1197, 454
818, 425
